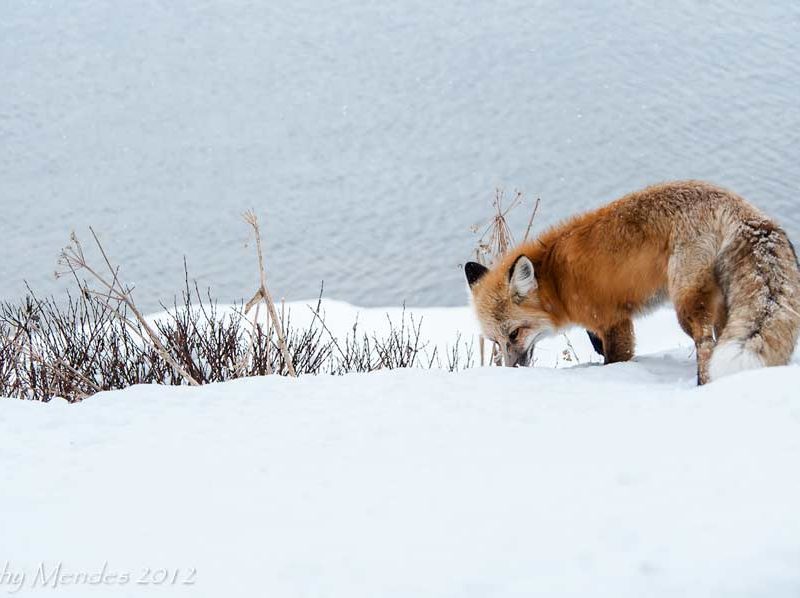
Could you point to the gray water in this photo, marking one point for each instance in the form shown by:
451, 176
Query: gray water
369, 136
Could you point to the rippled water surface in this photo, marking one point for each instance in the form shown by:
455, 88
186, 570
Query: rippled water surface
369, 136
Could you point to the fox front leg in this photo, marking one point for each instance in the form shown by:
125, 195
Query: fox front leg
618, 342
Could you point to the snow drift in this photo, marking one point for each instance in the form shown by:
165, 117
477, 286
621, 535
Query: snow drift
624, 480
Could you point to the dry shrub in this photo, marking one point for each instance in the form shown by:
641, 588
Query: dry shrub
496, 236
98, 340
75, 348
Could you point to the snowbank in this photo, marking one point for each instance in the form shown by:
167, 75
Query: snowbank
624, 480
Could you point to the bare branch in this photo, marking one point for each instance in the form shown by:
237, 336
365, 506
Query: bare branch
530, 222
251, 219
74, 257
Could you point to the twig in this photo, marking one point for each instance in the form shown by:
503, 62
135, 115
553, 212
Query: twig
263, 294
250, 344
35, 356
569, 352
73, 258
530, 222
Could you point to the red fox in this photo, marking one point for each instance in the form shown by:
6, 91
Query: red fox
731, 273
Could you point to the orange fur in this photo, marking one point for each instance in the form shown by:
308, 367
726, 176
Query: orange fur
714, 256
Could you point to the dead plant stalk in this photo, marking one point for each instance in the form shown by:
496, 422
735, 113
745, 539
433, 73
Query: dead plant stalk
74, 259
263, 294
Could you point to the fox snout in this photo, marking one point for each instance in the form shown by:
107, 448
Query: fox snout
513, 358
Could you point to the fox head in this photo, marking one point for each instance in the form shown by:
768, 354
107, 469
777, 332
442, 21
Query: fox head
510, 311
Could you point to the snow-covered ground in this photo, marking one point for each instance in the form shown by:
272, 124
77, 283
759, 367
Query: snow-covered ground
615, 481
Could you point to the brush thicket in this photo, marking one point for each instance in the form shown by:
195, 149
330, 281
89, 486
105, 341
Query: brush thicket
99, 340
78, 347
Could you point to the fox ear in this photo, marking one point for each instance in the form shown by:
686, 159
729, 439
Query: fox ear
474, 272
521, 278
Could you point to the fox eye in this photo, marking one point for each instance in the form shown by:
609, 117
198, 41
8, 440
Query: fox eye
514, 335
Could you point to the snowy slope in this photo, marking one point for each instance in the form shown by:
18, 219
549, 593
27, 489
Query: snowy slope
613, 481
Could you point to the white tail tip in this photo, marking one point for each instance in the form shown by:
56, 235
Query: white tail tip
730, 358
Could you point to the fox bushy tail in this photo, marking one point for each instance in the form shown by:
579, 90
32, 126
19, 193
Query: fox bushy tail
757, 270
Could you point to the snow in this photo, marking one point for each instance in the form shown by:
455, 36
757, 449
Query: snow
625, 480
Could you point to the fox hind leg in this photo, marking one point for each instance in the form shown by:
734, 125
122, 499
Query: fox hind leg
700, 307
696, 317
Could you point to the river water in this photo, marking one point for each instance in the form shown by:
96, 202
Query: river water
369, 136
